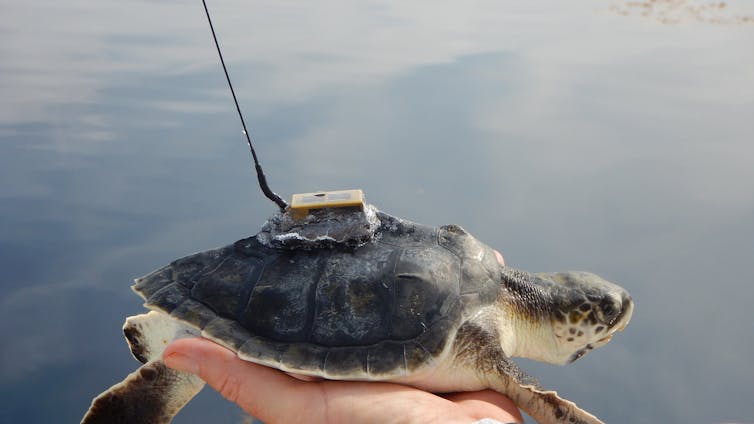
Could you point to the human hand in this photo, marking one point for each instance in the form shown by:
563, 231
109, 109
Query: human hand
275, 397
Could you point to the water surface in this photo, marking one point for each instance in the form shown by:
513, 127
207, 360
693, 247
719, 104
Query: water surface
571, 135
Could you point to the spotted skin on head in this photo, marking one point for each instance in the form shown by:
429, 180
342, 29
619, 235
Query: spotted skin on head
587, 318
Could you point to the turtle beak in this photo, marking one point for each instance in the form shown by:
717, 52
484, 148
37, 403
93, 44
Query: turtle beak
627, 309
621, 321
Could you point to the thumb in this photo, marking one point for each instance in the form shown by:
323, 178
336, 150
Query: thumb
255, 388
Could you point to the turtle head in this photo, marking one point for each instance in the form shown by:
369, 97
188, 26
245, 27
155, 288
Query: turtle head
573, 312
586, 314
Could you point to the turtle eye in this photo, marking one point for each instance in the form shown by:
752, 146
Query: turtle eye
610, 309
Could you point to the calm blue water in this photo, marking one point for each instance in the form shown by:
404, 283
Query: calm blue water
570, 135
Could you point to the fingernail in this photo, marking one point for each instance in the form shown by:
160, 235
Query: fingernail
182, 362
499, 257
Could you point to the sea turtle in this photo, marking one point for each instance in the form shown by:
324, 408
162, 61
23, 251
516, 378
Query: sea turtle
423, 306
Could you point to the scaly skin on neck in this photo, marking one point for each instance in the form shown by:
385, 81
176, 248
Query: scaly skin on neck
520, 337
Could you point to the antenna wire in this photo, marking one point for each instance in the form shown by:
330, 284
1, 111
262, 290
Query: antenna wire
260, 174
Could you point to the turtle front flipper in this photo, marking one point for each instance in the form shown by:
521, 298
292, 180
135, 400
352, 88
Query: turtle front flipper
478, 347
152, 394
547, 407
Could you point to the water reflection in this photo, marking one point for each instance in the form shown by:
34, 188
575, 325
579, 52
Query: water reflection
568, 137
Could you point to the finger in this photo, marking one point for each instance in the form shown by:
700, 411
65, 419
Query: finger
487, 404
500, 258
257, 389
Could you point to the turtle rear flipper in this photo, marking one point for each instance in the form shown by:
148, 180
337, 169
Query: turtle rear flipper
149, 334
152, 394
